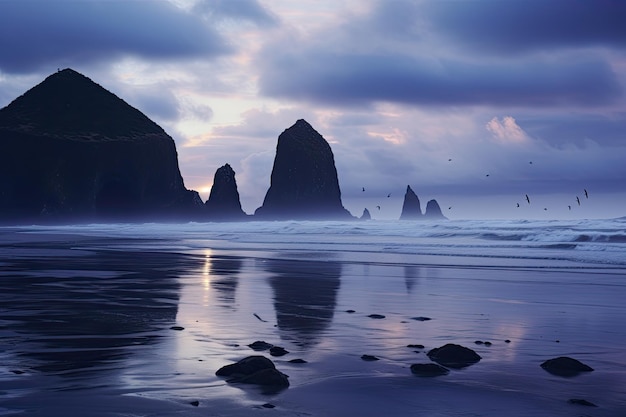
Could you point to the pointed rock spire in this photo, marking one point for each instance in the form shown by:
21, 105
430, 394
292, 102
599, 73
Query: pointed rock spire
223, 202
411, 209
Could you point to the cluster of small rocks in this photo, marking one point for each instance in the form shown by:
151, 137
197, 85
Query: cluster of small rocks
261, 371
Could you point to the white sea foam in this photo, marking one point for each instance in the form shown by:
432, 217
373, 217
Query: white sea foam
597, 242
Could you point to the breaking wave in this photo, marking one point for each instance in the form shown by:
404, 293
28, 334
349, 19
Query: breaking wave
583, 241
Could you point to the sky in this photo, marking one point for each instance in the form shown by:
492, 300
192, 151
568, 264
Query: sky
474, 103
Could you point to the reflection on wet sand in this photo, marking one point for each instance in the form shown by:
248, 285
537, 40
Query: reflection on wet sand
68, 315
224, 271
412, 275
305, 296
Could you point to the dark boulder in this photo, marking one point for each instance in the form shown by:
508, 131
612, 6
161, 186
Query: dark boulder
223, 202
260, 345
433, 211
278, 351
565, 366
257, 370
71, 150
265, 377
246, 366
366, 215
454, 356
428, 369
411, 209
304, 183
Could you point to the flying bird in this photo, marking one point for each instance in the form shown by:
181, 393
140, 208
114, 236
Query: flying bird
487, 175
449, 159
569, 207
578, 200
450, 208
378, 207
517, 204
586, 195
388, 195
363, 190
527, 198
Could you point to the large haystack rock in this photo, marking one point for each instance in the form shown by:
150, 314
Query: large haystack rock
304, 182
71, 150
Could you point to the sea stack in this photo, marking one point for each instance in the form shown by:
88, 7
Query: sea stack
304, 183
366, 215
411, 209
223, 202
71, 150
433, 211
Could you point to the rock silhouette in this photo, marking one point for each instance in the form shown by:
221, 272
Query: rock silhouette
366, 215
411, 209
223, 202
71, 149
304, 182
433, 211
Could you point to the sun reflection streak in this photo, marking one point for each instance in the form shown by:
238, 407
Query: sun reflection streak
206, 277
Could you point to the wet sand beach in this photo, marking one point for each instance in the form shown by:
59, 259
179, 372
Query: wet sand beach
136, 323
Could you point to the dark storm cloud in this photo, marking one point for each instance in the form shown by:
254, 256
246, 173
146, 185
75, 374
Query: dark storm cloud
36, 34
249, 10
515, 26
350, 79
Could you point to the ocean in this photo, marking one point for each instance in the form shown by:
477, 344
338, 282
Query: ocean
135, 319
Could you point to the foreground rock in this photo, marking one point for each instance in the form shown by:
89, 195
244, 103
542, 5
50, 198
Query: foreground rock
71, 150
454, 356
304, 182
257, 370
565, 366
224, 202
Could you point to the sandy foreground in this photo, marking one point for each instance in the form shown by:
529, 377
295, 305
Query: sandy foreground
86, 325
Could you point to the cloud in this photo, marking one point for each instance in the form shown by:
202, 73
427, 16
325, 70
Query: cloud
521, 26
506, 130
361, 79
246, 10
36, 34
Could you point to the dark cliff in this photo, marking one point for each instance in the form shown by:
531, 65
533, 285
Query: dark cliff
411, 209
223, 202
71, 150
304, 183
